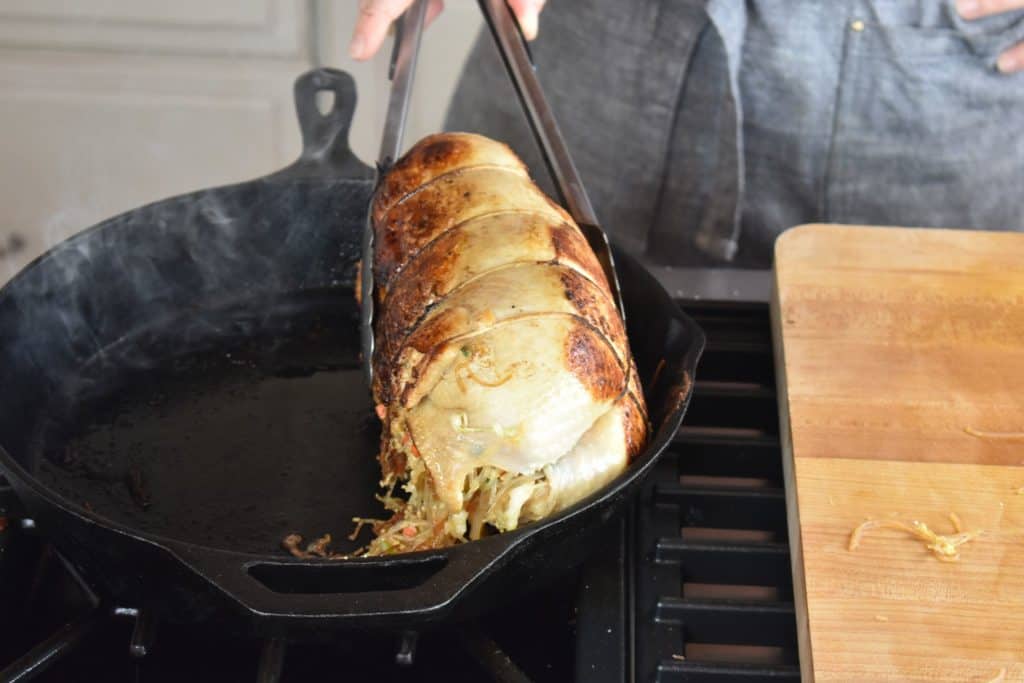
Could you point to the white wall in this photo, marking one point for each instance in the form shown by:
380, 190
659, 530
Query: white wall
445, 47
109, 104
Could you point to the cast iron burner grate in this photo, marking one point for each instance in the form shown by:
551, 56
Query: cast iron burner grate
53, 629
713, 591
693, 586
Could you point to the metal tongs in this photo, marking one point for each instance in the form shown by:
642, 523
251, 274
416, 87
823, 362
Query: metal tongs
408, 32
515, 53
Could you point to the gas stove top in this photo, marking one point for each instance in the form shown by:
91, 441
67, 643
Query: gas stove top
692, 584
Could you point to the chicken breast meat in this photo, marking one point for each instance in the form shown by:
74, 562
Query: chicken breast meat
502, 371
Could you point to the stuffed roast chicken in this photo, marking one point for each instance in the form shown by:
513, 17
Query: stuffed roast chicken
503, 376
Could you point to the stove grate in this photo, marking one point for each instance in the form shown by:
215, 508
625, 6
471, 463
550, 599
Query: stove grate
712, 592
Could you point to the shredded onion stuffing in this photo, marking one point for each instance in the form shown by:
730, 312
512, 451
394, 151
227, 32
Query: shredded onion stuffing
981, 434
495, 498
944, 547
360, 522
1000, 677
315, 550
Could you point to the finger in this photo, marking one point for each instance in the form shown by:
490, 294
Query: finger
434, 8
528, 14
975, 9
1012, 60
375, 17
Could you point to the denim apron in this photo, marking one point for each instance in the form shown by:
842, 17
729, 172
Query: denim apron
704, 128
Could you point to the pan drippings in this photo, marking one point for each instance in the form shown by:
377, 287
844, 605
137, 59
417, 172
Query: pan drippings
225, 443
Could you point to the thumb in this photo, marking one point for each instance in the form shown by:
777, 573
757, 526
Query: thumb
528, 14
975, 9
375, 17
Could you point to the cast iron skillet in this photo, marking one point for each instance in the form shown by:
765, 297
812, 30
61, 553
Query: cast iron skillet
179, 388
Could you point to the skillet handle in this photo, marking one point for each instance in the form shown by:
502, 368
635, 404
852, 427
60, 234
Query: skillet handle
325, 146
373, 592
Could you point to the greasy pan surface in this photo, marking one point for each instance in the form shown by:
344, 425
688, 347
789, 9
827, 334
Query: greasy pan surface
179, 389
229, 442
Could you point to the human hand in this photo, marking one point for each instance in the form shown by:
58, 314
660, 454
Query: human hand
1011, 60
375, 17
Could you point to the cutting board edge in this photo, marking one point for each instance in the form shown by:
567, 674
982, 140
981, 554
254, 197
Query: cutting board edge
894, 240
805, 653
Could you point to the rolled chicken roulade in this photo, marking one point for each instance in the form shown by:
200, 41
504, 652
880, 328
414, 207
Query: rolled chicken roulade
502, 372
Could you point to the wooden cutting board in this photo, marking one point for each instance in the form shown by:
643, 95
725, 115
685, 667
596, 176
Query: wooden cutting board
900, 365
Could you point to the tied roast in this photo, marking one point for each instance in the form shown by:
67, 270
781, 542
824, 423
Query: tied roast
502, 371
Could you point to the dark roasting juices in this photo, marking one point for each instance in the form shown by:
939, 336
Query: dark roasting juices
221, 443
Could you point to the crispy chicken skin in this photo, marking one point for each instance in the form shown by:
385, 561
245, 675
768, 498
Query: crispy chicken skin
503, 374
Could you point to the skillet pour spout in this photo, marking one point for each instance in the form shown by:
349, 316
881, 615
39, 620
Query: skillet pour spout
181, 388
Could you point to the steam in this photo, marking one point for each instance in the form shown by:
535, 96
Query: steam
92, 297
